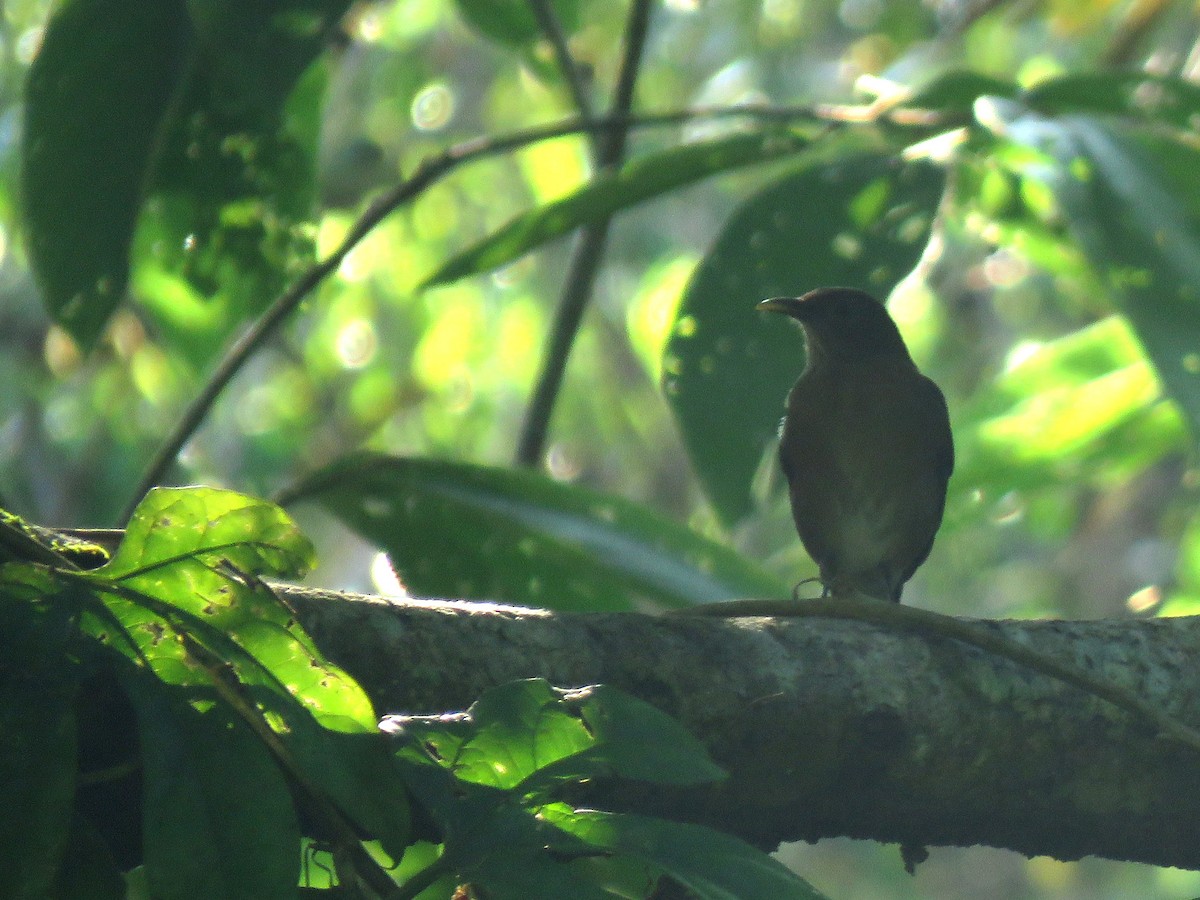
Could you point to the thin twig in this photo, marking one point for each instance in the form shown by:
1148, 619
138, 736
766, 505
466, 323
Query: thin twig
428, 172
585, 261
571, 71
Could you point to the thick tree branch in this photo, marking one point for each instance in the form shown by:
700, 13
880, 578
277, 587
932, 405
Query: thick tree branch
832, 727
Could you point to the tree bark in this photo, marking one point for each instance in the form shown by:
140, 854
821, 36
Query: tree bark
831, 727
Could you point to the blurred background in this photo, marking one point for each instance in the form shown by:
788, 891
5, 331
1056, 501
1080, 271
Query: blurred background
1075, 492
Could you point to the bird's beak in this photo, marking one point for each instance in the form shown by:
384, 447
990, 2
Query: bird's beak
786, 305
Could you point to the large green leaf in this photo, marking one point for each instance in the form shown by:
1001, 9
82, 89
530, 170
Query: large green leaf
711, 865
186, 105
861, 222
96, 99
38, 683
190, 563
89, 869
1130, 198
956, 92
642, 179
217, 816
458, 530
1087, 404
234, 186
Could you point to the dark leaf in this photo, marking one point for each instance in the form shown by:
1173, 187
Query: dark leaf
38, 683
468, 531
711, 865
96, 100
217, 816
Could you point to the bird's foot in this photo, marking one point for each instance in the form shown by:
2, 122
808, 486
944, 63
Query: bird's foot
796, 590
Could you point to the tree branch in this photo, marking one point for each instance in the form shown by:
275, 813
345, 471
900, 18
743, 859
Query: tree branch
832, 727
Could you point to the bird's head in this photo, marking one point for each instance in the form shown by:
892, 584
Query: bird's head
841, 323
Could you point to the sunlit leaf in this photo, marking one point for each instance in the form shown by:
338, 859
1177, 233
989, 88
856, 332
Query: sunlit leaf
861, 221
509, 733
1127, 198
1087, 402
632, 739
642, 179
96, 99
1059, 421
529, 735
234, 186
468, 531
199, 552
172, 525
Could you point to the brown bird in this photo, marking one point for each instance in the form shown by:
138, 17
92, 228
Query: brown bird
865, 445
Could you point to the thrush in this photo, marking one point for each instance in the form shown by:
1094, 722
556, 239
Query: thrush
865, 445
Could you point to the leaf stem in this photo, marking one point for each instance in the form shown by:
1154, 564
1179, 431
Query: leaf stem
571, 71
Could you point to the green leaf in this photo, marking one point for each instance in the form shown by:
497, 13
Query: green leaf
38, 683
1077, 404
190, 563
217, 816
1129, 198
527, 736
359, 773
1158, 99
860, 221
958, 91
711, 865
468, 531
234, 187
507, 735
642, 179
511, 22
493, 841
96, 99
173, 525
632, 739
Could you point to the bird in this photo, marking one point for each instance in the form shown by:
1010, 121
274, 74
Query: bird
865, 445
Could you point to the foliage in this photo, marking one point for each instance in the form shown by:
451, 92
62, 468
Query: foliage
1028, 206
248, 738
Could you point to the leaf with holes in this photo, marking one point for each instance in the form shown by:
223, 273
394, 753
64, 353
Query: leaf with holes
190, 564
861, 222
